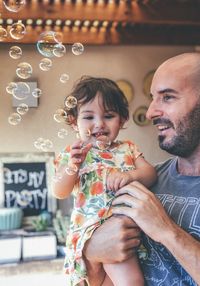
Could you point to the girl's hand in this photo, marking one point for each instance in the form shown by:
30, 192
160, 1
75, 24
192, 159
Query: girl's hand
116, 180
78, 153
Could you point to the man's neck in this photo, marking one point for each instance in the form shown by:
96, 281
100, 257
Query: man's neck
189, 166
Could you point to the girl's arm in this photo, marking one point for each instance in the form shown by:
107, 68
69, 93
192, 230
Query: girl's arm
145, 173
67, 174
63, 183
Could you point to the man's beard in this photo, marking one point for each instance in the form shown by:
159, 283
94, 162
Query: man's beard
187, 136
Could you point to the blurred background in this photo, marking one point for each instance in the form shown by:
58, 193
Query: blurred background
45, 47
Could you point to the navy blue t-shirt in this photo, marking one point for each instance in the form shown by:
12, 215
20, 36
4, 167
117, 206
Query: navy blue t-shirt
180, 196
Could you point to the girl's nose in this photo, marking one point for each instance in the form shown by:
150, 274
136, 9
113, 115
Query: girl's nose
99, 123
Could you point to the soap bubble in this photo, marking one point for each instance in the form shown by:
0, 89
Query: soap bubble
17, 31
37, 92
103, 142
21, 91
3, 34
88, 133
43, 144
70, 102
60, 115
14, 119
15, 52
45, 64
22, 108
57, 178
46, 145
71, 170
10, 87
24, 70
62, 133
38, 142
47, 43
14, 5
77, 49
59, 50
64, 78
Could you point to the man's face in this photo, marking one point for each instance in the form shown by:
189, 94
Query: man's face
175, 110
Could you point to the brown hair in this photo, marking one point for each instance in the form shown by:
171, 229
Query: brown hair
85, 90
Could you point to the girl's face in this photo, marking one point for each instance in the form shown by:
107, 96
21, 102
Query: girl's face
94, 121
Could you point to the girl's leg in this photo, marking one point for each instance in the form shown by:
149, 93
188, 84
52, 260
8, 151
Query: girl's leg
125, 273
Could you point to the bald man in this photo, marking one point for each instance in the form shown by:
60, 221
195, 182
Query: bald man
169, 213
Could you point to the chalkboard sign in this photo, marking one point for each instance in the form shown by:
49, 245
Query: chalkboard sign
26, 182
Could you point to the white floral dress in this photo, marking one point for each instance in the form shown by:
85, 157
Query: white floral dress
92, 200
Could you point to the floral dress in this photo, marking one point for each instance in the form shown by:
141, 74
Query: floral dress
92, 200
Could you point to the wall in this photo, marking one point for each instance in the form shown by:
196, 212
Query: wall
120, 62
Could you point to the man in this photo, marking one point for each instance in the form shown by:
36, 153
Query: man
169, 214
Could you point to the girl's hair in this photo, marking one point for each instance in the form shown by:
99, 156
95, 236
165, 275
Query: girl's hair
85, 90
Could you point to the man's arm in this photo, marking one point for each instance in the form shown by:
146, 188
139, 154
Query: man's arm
112, 242
147, 211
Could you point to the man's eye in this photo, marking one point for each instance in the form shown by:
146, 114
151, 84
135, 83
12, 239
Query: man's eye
167, 97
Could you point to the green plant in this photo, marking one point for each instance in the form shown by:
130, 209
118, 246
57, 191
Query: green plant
40, 223
61, 226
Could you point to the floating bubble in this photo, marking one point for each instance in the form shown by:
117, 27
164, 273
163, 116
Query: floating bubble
10, 87
17, 31
64, 78
77, 49
59, 50
15, 52
47, 43
57, 178
88, 133
60, 115
14, 119
22, 108
70, 102
103, 142
62, 133
37, 92
3, 34
71, 170
46, 145
14, 5
45, 64
39, 142
21, 91
24, 70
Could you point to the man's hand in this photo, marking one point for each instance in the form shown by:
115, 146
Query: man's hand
113, 241
144, 208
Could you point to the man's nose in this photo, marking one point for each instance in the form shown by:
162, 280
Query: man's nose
154, 110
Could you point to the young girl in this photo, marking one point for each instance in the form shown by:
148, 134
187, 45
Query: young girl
94, 168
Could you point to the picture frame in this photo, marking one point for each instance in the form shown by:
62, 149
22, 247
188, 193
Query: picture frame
139, 116
25, 182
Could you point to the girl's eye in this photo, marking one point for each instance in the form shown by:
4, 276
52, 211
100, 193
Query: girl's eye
88, 117
108, 116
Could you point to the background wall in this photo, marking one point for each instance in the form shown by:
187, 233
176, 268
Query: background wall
131, 63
